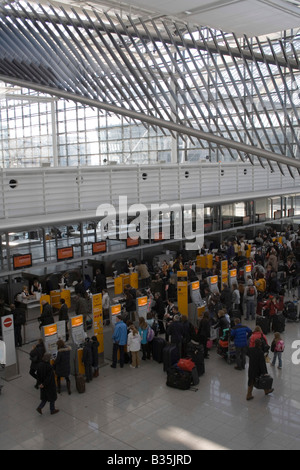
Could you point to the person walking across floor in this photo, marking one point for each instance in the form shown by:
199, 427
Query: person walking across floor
36, 355
257, 368
277, 348
47, 385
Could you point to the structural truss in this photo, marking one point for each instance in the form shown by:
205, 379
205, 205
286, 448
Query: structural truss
226, 92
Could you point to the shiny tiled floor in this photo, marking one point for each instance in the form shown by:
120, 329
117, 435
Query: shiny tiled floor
133, 409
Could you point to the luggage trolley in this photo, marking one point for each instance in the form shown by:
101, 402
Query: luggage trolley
226, 347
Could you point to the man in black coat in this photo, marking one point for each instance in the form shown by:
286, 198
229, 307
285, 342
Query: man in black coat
47, 385
19, 320
175, 330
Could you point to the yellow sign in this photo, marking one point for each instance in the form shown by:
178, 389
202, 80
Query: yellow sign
66, 295
214, 280
182, 274
77, 321
118, 285
248, 268
142, 301
196, 285
224, 267
233, 273
182, 293
50, 330
201, 312
98, 320
116, 309
55, 299
134, 280
209, 261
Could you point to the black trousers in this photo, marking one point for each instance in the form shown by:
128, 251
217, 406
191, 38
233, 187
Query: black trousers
116, 348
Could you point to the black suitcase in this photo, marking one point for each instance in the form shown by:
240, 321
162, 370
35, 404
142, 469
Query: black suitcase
196, 353
158, 347
290, 311
278, 325
265, 382
170, 356
195, 376
264, 323
179, 379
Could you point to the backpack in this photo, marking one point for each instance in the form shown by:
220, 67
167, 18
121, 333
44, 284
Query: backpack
279, 346
150, 334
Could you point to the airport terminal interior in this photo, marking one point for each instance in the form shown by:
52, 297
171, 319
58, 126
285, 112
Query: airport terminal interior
150, 169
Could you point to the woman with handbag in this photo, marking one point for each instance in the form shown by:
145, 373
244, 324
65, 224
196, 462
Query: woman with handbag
258, 371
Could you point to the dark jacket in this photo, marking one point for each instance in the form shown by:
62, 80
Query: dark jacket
87, 355
36, 356
62, 362
204, 329
175, 330
46, 377
257, 364
95, 345
19, 317
241, 334
47, 315
63, 313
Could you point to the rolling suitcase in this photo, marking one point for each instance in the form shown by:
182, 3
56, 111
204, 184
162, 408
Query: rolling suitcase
80, 383
196, 353
278, 325
158, 347
170, 356
179, 379
264, 323
195, 376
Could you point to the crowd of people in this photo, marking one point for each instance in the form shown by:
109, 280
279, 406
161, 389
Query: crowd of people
274, 273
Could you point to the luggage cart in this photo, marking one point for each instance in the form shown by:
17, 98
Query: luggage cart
226, 347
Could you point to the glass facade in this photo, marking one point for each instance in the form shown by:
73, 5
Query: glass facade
243, 89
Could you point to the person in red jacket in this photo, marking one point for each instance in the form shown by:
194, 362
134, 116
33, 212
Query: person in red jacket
272, 308
257, 334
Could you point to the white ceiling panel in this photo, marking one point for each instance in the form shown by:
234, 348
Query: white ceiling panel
251, 17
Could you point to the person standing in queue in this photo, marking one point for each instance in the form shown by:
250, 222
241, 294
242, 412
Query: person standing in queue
62, 365
119, 341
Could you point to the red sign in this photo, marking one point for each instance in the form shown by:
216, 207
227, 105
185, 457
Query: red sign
22, 261
99, 247
7, 322
65, 253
